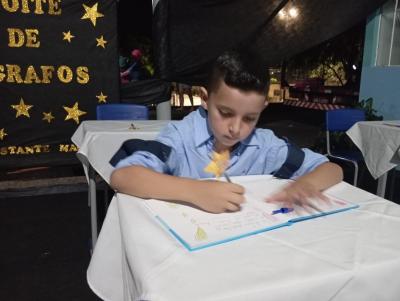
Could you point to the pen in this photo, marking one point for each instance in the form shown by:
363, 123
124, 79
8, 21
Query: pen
282, 210
227, 177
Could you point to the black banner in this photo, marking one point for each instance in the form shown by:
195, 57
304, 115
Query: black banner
58, 61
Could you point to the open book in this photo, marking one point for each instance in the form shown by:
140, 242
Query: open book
197, 229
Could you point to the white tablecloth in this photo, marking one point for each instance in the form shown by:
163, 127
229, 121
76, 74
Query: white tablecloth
379, 143
354, 255
98, 140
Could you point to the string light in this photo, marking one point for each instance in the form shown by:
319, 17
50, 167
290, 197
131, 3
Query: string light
288, 14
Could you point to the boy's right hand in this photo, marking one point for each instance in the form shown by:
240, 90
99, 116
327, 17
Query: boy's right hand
216, 196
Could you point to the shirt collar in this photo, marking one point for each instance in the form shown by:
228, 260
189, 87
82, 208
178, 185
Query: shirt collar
251, 140
203, 130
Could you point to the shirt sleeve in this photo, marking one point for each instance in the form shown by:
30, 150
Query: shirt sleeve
169, 136
277, 154
311, 161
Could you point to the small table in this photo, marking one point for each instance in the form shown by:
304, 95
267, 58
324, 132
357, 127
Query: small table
352, 255
98, 141
379, 142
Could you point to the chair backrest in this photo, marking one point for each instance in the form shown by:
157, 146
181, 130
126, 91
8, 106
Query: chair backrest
121, 111
343, 119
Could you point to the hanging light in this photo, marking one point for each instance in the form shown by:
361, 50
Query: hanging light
282, 14
290, 13
293, 12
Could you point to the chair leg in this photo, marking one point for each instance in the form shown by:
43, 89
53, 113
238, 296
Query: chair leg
106, 200
355, 173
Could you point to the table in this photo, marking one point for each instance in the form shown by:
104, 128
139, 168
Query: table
379, 142
98, 140
353, 255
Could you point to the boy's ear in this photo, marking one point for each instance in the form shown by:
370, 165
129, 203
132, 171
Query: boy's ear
204, 97
266, 103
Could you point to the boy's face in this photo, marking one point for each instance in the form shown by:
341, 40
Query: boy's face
232, 114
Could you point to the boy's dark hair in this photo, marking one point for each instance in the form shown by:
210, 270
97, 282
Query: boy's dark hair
239, 69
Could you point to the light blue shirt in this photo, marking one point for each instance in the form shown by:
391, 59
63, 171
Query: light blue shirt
191, 142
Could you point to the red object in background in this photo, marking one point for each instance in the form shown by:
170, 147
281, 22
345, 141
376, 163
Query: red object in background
136, 54
308, 84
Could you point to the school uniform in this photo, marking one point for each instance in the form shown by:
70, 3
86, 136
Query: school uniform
184, 148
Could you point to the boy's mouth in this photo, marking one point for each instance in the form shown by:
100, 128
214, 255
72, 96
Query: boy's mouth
231, 139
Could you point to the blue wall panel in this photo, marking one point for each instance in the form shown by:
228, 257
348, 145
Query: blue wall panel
383, 85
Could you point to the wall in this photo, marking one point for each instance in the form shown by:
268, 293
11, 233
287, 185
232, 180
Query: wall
383, 85
380, 83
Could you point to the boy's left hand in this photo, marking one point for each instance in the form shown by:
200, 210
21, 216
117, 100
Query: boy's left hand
298, 193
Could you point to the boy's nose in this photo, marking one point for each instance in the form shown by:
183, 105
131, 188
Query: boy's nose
234, 128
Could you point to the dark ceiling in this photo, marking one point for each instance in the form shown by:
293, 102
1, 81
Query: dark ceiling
189, 34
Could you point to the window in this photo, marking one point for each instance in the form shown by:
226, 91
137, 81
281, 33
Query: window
395, 55
388, 53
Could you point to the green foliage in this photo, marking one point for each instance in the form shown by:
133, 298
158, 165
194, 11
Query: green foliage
370, 112
332, 73
339, 141
332, 60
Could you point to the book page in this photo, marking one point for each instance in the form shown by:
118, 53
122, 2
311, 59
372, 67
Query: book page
198, 228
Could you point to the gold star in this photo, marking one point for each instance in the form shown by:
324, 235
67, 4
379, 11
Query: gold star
2, 134
91, 13
22, 109
73, 113
102, 97
48, 117
68, 36
218, 163
101, 42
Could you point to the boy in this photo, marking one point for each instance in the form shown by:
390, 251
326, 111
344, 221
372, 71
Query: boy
231, 105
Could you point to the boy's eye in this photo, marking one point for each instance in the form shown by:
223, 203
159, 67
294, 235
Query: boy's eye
225, 113
249, 119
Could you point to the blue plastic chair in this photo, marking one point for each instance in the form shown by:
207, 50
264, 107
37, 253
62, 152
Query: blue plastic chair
122, 111
340, 121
